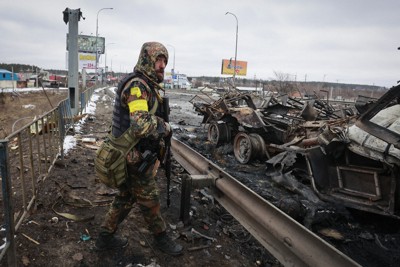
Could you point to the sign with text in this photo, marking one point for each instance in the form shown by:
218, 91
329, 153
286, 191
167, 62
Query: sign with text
228, 66
87, 60
87, 44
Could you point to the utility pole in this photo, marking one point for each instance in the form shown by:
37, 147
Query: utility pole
72, 16
97, 37
173, 67
105, 61
237, 29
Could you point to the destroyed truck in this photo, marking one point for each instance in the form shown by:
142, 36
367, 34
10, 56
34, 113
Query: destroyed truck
252, 122
350, 159
359, 165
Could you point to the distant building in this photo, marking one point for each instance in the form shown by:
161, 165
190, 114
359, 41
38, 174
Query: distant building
178, 81
8, 79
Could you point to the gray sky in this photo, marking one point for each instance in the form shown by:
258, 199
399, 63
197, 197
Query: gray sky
345, 41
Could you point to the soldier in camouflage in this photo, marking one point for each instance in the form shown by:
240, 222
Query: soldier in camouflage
135, 97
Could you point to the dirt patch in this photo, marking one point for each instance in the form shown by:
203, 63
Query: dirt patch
20, 107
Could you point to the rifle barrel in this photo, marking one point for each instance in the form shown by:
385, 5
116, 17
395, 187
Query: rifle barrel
167, 164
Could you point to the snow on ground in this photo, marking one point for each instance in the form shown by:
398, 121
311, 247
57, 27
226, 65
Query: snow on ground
30, 106
69, 143
69, 140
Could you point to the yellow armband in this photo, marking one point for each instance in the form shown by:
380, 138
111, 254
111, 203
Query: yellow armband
135, 91
137, 104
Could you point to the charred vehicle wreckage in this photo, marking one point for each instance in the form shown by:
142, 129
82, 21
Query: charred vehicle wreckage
349, 151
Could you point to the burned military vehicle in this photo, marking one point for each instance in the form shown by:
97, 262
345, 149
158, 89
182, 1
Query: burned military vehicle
236, 117
350, 159
252, 122
359, 165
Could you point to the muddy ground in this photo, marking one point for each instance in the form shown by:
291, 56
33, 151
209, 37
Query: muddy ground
62, 228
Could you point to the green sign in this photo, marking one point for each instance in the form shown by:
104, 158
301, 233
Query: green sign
87, 44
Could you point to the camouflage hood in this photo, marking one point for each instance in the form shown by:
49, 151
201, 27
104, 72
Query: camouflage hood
148, 56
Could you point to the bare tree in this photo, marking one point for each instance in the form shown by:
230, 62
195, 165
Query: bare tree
284, 84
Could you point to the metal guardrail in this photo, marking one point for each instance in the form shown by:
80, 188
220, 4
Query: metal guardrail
287, 240
26, 158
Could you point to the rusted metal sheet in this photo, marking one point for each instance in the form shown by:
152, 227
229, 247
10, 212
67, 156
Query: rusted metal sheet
371, 146
365, 122
355, 181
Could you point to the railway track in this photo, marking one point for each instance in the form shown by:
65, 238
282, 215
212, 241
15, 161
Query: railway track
287, 240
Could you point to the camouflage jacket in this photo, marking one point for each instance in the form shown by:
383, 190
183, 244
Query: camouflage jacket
137, 99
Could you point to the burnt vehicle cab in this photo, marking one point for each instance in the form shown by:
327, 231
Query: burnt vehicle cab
359, 166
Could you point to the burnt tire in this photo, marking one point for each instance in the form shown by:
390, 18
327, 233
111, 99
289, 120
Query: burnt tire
247, 147
219, 133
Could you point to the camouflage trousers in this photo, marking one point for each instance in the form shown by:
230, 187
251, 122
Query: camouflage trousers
143, 190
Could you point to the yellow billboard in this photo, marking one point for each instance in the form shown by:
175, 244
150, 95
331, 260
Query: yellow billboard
228, 66
87, 60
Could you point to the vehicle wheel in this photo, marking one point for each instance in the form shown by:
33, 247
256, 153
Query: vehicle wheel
219, 133
248, 146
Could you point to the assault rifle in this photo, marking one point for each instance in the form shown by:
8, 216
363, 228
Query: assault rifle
167, 156
148, 160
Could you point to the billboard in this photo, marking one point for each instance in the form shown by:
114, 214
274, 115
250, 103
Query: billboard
87, 44
228, 65
87, 60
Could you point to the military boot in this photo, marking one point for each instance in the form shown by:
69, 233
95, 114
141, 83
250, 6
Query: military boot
164, 243
107, 241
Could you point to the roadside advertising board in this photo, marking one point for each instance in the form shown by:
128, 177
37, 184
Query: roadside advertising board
228, 66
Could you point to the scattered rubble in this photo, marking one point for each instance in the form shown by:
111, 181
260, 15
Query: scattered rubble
345, 164
252, 122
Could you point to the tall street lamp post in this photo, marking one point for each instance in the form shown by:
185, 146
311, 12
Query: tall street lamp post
111, 70
97, 36
173, 66
105, 59
237, 28
111, 62
398, 48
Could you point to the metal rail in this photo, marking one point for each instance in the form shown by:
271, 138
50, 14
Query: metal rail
27, 156
85, 97
287, 240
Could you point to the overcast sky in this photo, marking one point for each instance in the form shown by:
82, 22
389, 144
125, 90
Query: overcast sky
345, 41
